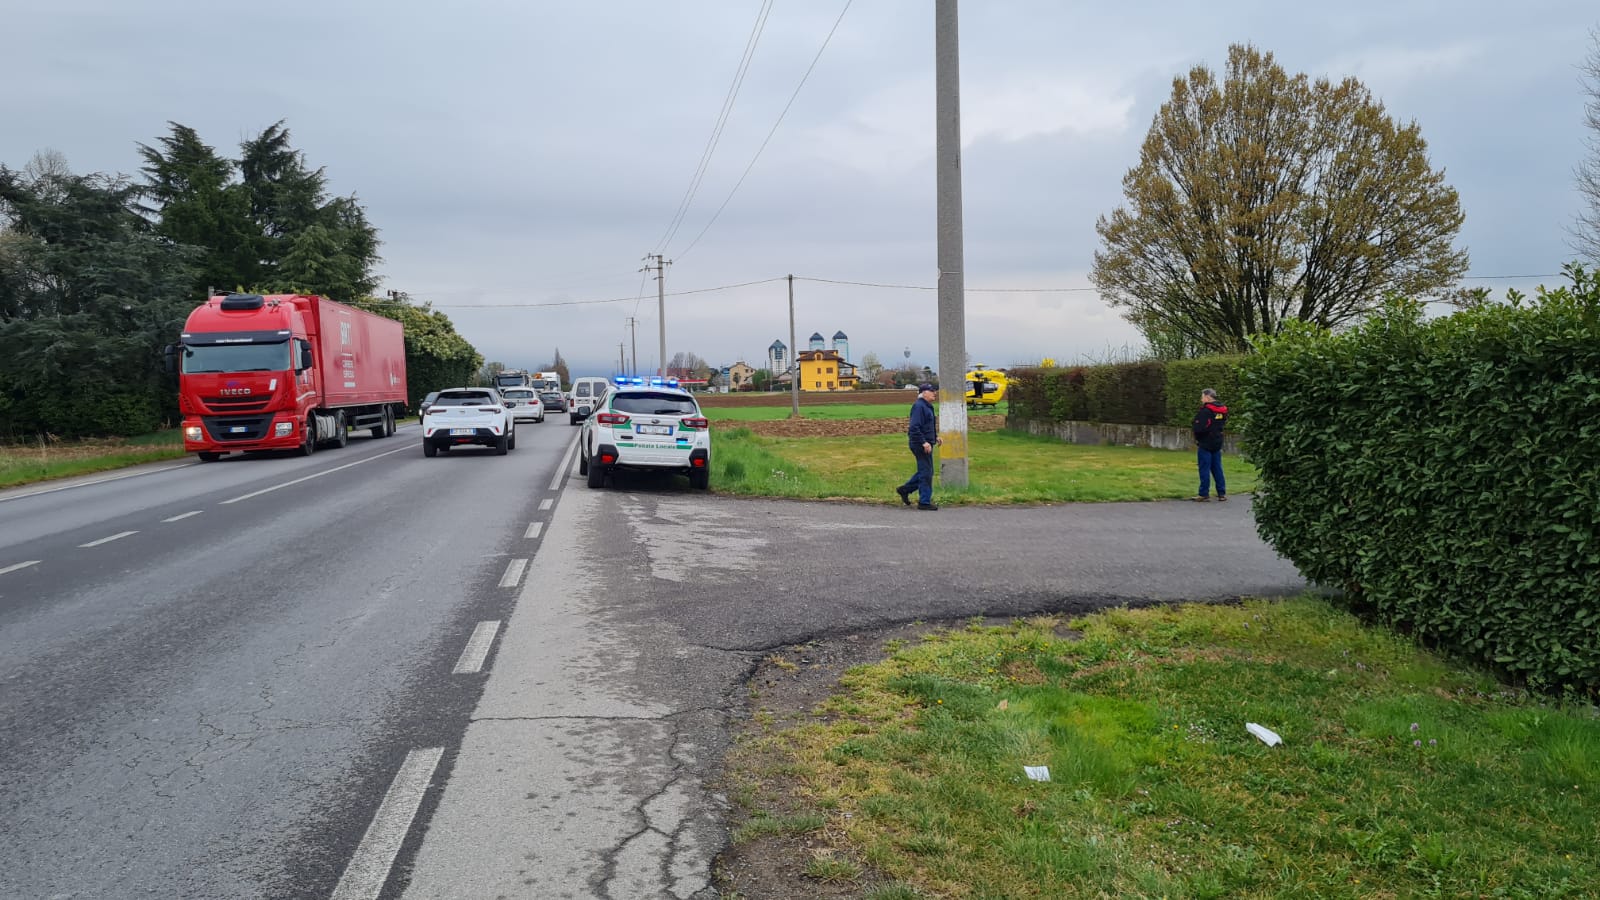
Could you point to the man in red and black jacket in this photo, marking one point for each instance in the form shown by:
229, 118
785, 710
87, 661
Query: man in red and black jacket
1208, 425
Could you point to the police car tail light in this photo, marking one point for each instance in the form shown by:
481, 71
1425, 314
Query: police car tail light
611, 418
695, 422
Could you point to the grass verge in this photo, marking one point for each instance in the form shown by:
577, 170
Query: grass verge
46, 460
1399, 775
1004, 468
832, 412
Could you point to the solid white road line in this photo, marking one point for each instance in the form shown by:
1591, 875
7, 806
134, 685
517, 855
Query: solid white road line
546, 504
477, 649
20, 565
369, 868
566, 463
533, 530
68, 487
278, 487
106, 540
182, 516
513, 573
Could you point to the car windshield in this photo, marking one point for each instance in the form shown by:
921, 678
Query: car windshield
652, 403
236, 358
474, 398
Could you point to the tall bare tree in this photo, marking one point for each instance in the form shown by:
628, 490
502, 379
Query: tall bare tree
1586, 235
1266, 197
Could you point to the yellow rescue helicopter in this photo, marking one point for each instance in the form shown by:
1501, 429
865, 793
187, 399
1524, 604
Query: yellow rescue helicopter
985, 387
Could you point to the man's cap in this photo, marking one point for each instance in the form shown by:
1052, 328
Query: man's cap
927, 386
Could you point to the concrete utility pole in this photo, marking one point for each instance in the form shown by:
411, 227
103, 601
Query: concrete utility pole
794, 360
952, 279
622, 360
660, 268
633, 331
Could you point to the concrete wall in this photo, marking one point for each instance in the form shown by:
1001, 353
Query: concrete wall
1160, 437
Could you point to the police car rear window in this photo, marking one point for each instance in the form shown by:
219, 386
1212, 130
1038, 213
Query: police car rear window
663, 404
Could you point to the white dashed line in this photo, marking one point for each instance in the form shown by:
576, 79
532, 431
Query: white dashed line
364, 877
513, 573
477, 650
106, 540
182, 516
21, 565
278, 487
546, 504
533, 530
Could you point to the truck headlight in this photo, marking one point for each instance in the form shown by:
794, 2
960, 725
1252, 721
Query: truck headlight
283, 429
193, 433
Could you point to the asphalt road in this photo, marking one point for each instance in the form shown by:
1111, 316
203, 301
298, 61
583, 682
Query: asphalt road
368, 674
210, 674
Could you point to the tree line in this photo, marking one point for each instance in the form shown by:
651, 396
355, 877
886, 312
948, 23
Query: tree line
99, 271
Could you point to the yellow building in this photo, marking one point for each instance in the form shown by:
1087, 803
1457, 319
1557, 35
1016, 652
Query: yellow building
826, 370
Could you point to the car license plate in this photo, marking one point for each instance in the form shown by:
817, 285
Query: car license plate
466, 431
655, 429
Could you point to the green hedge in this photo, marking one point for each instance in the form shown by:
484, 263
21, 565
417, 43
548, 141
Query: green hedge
1150, 392
1445, 474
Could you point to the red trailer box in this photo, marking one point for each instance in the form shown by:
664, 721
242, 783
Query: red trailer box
286, 372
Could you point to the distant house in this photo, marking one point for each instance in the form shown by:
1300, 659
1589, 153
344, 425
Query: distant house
741, 376
826, 370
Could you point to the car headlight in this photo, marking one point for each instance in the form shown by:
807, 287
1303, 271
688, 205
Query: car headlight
193, 433
283, 429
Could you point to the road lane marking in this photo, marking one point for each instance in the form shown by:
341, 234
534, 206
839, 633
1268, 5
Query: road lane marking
278, 487
546, 504
106, 540
477, 649
566, 463
533, 530
68, 487
182, 516
369, 868
21, 565
513, 573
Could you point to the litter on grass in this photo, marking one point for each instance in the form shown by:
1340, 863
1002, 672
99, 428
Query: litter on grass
1037, 773
1267, 735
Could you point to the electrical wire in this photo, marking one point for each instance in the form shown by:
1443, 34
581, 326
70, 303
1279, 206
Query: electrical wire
717, 128
770, 133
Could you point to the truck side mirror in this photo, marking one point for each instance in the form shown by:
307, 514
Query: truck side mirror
305, 356
170, 358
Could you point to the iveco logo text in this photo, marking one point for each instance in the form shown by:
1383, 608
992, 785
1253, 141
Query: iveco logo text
234, 392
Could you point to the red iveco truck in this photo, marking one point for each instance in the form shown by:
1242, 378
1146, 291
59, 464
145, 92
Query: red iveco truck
286, 372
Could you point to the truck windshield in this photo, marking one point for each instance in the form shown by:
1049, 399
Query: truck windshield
236, 358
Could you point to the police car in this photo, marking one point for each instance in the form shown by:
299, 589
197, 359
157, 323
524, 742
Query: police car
646, 424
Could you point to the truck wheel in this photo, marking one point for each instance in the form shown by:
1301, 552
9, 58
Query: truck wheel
382, 429
309, 446
341, 431
429, 449
208, 456
597, 475
502, 445
700, 479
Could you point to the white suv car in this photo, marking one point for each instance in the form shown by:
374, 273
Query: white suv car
646, 427
468, 416
525, 403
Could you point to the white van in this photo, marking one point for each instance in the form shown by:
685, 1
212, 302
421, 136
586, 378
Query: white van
586, 396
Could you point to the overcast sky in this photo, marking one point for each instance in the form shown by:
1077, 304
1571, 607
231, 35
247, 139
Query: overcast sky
525, 151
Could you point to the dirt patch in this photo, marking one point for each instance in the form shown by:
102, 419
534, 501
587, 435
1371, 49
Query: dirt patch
807, 398
786, 687
844, 427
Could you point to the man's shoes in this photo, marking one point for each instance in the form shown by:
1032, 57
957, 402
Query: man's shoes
905, 495
1201, 499
931, 507
1222, 498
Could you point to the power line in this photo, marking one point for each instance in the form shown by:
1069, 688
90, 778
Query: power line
927, 287
717, 128
708, 290
768, 138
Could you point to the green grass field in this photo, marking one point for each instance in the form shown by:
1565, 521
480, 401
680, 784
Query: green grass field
830, 411
1399, 775
24, 463
1003, 468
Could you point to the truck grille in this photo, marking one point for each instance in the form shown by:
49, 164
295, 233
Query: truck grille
236, 404
237, 428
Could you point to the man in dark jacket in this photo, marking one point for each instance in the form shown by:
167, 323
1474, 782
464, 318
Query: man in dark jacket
1208, 425
923, 434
